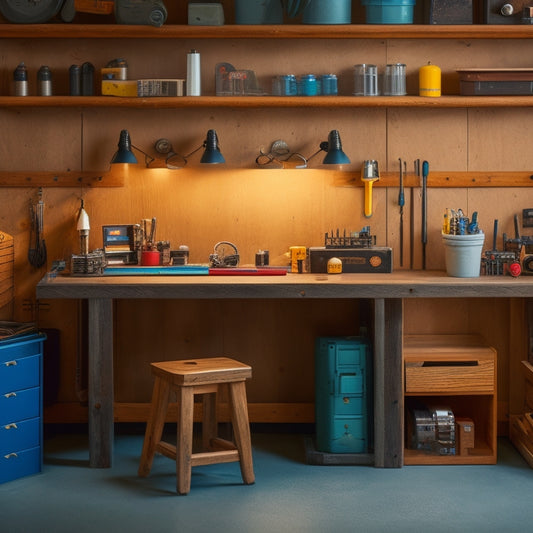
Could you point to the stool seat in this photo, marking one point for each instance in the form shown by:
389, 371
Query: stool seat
188, 378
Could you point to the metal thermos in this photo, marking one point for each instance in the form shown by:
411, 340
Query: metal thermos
193, 74
44, 81
74, 79
20, 77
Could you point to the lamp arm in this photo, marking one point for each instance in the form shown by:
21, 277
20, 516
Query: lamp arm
148, 159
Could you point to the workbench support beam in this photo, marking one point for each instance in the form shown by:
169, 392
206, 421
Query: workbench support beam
388, 383
100, 382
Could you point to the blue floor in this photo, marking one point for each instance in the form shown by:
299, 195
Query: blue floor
288, 496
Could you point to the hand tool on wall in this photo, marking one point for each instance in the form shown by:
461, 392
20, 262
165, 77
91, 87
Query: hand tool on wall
37, 254
412, 219
425, 172
369, 174
401, 203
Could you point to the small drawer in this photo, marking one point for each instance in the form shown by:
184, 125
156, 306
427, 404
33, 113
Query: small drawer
449, 376
17, 436
20, 405
448, 369
19, 464
20, 373
22, 347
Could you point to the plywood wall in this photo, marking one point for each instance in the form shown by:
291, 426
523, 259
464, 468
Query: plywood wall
255, 208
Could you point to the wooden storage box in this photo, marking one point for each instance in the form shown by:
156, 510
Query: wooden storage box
458, 371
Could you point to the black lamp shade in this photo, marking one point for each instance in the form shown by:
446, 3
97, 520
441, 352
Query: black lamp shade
124, 153
212, 153
335, 155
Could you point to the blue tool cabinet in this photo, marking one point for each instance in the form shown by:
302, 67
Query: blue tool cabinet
343, 393
21, 363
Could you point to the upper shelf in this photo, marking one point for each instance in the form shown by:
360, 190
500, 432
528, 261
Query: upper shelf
266, 101
284, 31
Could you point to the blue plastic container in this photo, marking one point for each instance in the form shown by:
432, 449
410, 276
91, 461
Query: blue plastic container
328, 12
389, 11
258, 12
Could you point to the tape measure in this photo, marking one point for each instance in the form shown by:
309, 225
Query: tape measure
29, 11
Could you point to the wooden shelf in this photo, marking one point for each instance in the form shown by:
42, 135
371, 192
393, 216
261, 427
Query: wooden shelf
266, 101
481, 455
285, 31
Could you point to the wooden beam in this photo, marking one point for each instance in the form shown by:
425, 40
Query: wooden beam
72, 413
30, 178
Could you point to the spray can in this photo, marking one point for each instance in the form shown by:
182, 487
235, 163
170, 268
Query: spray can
44, 81
20, 76
193, 74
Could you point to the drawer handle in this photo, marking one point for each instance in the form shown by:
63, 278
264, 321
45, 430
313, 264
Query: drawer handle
450, 363
10, 363
10, 456
11, 426
10, 395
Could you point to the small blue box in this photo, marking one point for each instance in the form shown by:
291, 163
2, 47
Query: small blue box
343, 392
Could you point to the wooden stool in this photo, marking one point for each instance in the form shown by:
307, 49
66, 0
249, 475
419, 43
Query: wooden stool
187, 378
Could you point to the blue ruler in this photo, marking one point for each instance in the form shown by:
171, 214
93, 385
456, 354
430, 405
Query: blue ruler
181, 270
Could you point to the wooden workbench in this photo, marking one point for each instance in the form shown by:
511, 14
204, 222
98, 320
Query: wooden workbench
386, 291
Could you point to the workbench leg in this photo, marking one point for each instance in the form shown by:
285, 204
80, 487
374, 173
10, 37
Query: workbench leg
388, 383
100, 382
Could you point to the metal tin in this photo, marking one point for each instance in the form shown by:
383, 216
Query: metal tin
44, 81
288, 85
329, 84
308, 85
20, 77
261, 258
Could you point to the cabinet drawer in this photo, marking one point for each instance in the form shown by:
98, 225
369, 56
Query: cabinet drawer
446, 364
22, 347
20, 405
18, 436
19, 464
449, 376
20, 373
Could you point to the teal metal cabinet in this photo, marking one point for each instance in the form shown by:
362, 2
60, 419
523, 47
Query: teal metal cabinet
21, 364
343, 394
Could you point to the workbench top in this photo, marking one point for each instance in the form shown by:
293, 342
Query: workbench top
402, 284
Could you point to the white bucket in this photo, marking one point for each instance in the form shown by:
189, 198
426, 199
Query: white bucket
463, 254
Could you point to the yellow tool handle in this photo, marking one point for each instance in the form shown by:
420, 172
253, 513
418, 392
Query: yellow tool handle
368, 198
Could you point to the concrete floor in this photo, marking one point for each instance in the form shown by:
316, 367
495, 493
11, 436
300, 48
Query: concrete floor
288, 496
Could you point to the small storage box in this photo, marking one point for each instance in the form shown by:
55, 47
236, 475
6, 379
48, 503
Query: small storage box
495, 82
389, 11
343, 370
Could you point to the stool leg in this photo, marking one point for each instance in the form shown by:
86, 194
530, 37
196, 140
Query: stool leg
154, 427
184, 442
241, 426
209, 423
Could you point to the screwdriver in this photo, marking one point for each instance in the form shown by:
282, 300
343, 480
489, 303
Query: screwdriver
425, 172
401, 203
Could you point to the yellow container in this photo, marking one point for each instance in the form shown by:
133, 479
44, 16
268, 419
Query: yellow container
429, 80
